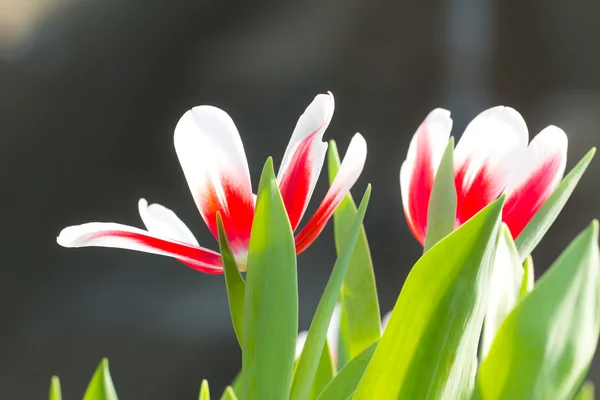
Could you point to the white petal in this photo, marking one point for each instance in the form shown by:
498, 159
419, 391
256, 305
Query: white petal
350, 169
315, 118
303, 159
496, 141
333, 332
300, 343
163, 222
550, 143
213, 160
385, 320
422, 161
107, 234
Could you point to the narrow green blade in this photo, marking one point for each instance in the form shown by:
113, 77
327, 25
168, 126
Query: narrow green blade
441, 214
507, 279
529, 276
360, 315
429, 347
229, 394
233, 280
344, 383
101, 386
204, 391
317, 334
546, 344
55, 393
325, 373
586, 392
270, 323
535, 230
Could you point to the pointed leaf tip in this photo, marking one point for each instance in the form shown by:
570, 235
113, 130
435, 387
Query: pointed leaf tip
101, 386
234, 282
441, 215
204, 391
55, 392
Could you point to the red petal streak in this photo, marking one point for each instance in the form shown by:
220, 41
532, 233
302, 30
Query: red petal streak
525, 201
237, 212
472, 199
317, 223
200, 259
421, 183
295, 183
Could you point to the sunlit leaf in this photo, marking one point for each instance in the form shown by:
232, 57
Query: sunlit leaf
586, 392
233, 280
441, 214
55, 393
270, 322
344, 383
229, 394
101, 386
360, 324
429, 347
204, 391
317, 334
528, 277
324, 374
544, 347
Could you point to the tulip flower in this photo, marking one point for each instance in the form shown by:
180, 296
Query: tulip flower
492, 157
214, 163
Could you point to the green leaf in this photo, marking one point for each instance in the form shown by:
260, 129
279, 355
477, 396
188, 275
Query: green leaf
429, 347
586, 392
270, 323
324, 374
101, 386
546, 344
360, 324
55, 393
504, 292
528, 277
236, 385
441, 215
204, 390
229, 394
537, 227
230, 391
317, 333
344, 383
233, 281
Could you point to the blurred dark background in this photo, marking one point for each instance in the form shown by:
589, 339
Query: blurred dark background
91, 90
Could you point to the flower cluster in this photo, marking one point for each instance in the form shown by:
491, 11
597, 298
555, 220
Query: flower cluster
469, 322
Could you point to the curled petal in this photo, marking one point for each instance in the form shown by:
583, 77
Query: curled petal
213, 160
417, 173
539, 173
163, 222
304, 156
350, 169
486, 155
100, 234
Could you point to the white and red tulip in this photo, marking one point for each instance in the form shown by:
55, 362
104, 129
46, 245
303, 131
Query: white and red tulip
213, 160
493, 156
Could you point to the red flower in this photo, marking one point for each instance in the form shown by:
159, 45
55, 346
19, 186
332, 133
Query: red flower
491, 158
213, 160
